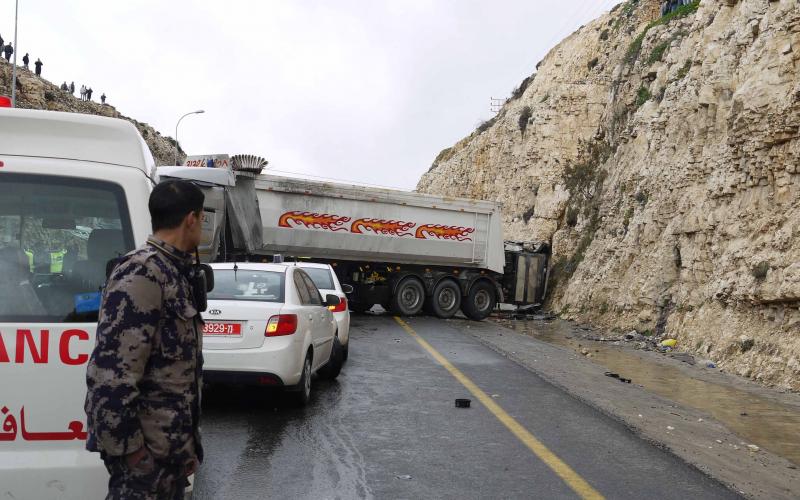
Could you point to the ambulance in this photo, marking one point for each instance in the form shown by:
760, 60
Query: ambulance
73, 194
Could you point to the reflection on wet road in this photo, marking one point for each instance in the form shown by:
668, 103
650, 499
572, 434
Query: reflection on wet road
756, 419
388, 428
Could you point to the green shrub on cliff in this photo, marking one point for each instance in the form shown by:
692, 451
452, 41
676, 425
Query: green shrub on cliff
636, 46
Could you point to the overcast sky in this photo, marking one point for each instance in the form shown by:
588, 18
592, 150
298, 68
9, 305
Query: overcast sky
360, 90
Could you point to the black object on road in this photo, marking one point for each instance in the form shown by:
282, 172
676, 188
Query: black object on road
616, 376
463, 403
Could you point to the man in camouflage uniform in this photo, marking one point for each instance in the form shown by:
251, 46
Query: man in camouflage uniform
144, 376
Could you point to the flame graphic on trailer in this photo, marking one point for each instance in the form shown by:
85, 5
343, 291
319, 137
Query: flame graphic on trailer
444, 232
384, 227
314, 221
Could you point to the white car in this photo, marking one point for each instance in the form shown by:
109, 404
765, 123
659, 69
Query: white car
268, 325
325, 278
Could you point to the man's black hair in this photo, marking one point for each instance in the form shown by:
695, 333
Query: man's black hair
173, 200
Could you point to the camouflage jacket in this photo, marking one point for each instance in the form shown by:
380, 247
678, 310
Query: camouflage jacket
145, 373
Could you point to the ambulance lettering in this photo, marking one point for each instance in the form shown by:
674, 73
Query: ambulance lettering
38, 347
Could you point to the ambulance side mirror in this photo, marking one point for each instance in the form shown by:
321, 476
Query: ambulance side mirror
208, 272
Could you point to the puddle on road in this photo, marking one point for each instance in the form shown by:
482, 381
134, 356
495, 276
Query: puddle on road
768, 424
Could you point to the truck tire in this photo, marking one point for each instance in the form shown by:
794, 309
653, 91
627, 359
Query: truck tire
445, 300
408, 298
480, 301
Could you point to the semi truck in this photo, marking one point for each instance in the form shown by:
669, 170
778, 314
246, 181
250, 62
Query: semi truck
407, 251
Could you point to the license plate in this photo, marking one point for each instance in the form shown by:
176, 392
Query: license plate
213, 328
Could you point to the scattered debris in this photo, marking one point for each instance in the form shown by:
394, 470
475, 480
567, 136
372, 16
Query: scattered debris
670, 428
404, 477
463, 403
616, 376
669, 343
753, 447
684, 357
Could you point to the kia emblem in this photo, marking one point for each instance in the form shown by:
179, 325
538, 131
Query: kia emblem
215, 311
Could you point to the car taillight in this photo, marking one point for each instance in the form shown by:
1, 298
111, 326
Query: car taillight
342, 307
283, 324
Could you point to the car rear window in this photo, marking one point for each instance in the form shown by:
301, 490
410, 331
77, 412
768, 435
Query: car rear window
243, 284
321, 277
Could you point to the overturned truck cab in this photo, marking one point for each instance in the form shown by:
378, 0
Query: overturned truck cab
408, 252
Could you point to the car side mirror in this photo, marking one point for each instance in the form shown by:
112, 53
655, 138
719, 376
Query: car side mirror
347, 289
332, 300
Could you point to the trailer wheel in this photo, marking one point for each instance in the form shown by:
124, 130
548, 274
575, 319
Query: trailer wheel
408, 298
445, 299
481, 299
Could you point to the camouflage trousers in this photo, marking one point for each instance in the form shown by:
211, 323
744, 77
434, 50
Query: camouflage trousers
150, 479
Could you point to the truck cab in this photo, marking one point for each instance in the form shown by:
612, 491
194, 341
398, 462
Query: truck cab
73, 194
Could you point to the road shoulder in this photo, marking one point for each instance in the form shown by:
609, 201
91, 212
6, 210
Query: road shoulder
692, 435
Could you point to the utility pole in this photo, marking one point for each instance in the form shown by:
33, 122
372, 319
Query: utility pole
14, 70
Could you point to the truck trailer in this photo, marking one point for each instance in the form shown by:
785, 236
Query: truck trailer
406, 251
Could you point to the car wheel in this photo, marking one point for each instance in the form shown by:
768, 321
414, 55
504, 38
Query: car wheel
480, 302
334, 366
303, 395
359, 307
408, 298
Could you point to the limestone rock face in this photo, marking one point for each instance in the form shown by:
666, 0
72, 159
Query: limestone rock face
37, 93
661, 158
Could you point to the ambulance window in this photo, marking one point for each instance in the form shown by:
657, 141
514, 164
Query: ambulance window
56, 236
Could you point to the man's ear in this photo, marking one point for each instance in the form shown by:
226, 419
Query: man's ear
191, 219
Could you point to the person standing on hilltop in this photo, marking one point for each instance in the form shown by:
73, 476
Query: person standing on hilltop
103, 98
83, 92
72, 88
8, 50
26, 60
1, 42
38, 65
89, 94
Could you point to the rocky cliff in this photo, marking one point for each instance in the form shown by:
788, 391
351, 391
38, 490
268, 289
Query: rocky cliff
660, 156
37, 93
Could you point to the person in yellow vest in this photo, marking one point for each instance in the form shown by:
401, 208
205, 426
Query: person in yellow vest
56, 260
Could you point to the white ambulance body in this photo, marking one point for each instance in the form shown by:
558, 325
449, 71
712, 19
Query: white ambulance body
73, 194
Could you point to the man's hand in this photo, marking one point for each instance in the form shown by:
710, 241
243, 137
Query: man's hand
136, 457
191, 467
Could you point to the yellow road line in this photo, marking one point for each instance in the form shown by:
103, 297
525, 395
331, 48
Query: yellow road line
564, 471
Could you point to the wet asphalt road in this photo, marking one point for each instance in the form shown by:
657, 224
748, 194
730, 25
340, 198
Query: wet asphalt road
388, 428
